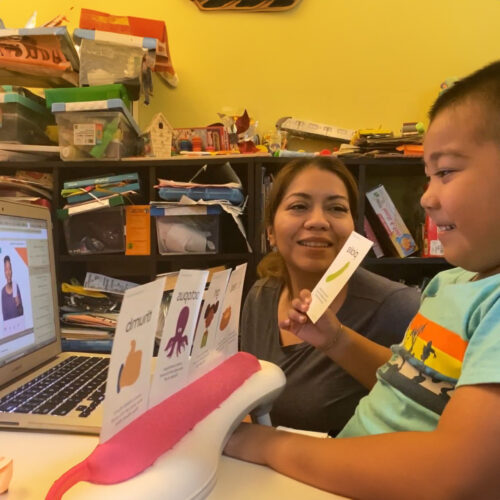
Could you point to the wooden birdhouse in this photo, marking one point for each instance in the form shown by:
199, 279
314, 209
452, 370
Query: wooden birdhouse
157, 138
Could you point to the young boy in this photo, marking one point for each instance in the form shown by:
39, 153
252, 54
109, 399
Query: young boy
430, 427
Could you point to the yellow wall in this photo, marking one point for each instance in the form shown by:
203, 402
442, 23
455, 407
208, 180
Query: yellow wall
350, 63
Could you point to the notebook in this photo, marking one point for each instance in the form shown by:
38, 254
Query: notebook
30, 343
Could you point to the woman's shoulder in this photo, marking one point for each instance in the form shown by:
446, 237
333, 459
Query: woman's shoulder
264, 287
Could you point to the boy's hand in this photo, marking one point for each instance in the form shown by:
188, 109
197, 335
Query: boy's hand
321, 334
250, 442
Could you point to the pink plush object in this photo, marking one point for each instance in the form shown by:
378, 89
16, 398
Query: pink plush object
138, 445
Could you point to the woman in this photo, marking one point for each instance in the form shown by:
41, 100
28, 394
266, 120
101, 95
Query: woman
310, 214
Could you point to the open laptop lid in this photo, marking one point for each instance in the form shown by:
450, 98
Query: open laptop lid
29, 322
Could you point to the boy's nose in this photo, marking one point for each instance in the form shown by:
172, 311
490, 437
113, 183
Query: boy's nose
429, 199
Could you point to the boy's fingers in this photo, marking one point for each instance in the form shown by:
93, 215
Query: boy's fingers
300, 305
286, 323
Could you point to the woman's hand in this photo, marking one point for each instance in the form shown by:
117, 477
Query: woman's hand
322, 334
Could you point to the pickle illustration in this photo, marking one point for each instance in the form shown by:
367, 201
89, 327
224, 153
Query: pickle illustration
334, 275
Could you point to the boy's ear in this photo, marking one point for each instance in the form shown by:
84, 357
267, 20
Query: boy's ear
270, 236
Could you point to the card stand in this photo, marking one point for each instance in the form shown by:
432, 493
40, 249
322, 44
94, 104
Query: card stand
187, 470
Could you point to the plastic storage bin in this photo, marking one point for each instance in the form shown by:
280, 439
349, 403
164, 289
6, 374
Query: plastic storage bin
95, 93
95, 232
187, 234
23, 120
103, 130
107, 57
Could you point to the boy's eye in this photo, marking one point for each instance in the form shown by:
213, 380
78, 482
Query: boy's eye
444, 172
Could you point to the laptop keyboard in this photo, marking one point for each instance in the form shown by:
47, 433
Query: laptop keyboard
77, 383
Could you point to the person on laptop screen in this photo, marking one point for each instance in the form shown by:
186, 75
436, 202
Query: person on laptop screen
12, 304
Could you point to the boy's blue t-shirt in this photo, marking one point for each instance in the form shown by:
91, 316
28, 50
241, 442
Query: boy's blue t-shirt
453, 340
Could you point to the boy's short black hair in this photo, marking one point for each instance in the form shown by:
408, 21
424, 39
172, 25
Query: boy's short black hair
483, 87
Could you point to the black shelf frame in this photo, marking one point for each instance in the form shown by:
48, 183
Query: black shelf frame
233, 251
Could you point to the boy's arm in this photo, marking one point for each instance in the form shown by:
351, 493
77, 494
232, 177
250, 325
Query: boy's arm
357, 355
458, 460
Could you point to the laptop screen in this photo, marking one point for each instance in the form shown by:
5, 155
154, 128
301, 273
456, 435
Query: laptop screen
27, 309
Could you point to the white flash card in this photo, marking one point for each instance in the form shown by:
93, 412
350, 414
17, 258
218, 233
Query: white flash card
337, 275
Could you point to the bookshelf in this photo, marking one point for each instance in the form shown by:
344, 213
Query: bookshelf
143, 268
403, 178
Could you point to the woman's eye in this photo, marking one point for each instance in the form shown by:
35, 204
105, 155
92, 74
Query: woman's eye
297, 207
338, 208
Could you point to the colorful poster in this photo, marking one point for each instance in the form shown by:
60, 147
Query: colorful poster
129, 372
173, 354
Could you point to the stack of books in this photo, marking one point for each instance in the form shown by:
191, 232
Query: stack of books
89, 313
95, 193
27, 186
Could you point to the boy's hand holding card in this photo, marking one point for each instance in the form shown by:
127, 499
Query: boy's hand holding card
336, 276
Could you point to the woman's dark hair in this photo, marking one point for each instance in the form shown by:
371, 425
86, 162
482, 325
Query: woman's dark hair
273, 264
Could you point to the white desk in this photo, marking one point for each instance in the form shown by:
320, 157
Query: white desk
41, 458
188, 471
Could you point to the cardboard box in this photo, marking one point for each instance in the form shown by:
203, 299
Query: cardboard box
388, 225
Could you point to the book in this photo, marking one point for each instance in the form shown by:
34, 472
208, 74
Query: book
308, 128
432, 247
41, 179
87, 206
388, 225
107, 179
23, 186
84, 345
85, 333
102, 283
370, 234
101, 192
207, 176
233, 195
138, 230
103, 321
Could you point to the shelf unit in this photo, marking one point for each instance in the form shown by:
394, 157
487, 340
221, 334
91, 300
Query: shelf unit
403, 178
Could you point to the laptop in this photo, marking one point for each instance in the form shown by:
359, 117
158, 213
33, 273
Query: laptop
40, 386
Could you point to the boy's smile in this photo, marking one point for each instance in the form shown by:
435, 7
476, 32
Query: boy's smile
312, 221
463, 197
